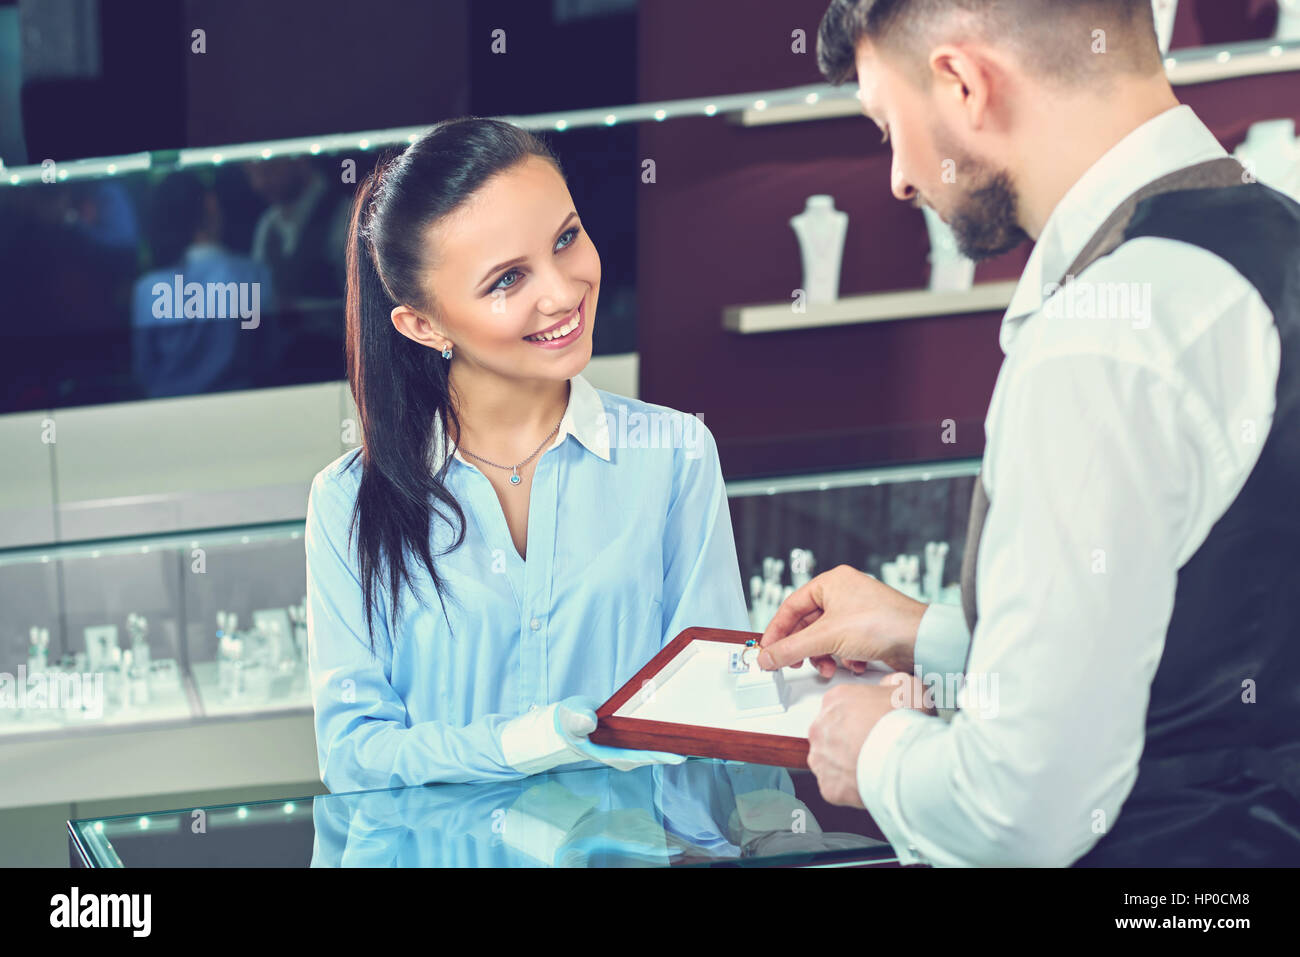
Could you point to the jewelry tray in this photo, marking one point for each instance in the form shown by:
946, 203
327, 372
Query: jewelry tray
681, 702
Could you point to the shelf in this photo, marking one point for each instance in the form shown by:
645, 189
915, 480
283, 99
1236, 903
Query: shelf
143, 544
1230, 60
165, 709
823, 482
266, 693
1185, 67
110, 763
824, 103
876, 307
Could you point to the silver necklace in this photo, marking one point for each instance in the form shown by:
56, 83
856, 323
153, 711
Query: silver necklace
514, 469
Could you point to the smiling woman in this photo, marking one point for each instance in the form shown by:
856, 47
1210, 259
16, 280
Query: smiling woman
489, 474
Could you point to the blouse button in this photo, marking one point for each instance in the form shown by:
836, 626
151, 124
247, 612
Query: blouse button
535, 624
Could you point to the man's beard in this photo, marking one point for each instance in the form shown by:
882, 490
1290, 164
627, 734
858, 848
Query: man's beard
984, 223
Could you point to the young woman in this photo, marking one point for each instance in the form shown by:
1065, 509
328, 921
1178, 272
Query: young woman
466, 612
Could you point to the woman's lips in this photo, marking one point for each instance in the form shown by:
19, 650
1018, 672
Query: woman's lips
572, 337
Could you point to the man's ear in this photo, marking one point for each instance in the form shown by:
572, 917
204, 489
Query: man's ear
963, 80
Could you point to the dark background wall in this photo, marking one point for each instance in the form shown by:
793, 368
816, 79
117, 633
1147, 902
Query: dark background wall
332, 68
714, 232
104, 77
711, 232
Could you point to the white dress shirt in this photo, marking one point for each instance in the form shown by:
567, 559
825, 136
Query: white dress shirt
1113, 445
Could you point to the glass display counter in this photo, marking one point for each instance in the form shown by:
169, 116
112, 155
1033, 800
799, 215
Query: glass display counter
701, 813
153, 630
904, 524
183, 627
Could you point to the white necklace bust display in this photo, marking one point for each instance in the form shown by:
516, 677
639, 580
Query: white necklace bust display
1271, 154
821, 229
1288, 20
950, 271
1166, 12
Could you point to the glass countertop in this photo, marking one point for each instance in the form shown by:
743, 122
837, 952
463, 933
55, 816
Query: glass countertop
700, 813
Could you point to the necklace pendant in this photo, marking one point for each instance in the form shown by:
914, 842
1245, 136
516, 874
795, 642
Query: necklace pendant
514, 478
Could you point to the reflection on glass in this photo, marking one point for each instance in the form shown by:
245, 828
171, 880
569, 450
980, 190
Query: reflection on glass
95, 312
164, 283
301, 235
187, 315
702, 813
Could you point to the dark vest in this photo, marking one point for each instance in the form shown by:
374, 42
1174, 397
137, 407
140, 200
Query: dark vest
1219, 779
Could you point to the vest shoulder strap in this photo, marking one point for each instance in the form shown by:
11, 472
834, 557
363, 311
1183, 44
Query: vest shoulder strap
1211, 174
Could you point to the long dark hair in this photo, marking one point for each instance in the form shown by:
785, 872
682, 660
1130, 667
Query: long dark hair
399, 386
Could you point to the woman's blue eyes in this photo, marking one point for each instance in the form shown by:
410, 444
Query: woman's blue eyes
572, 231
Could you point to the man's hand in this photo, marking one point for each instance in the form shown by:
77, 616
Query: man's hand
846, 613
847, 716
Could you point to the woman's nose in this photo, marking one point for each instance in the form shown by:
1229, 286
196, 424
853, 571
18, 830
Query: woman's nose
561, 294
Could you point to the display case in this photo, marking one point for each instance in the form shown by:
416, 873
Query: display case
150, 630
904, 524
701, 813
153, 630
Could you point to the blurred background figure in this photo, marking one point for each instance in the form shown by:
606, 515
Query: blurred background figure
178, 354
302, 234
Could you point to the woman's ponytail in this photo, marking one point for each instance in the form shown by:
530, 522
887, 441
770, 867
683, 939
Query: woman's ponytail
402, 388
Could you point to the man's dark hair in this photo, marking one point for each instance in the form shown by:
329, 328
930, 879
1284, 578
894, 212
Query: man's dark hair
1053, 38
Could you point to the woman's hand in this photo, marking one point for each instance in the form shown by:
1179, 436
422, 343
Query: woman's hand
848, 614
545, 738
576, 718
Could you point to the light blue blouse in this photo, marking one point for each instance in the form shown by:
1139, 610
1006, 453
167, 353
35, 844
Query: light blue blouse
629, 543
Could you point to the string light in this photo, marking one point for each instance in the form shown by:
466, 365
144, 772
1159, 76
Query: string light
816, 101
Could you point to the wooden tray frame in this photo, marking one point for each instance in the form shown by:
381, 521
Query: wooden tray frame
777, 750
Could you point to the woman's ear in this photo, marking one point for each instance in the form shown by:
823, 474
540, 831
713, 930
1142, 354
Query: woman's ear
418, 328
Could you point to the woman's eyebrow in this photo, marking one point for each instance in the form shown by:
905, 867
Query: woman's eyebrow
518, 259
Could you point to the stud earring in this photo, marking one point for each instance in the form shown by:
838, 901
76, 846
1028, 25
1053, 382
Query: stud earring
446, 353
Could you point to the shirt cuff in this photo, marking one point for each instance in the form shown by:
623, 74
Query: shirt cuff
942, 643
531, 744
877, 778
